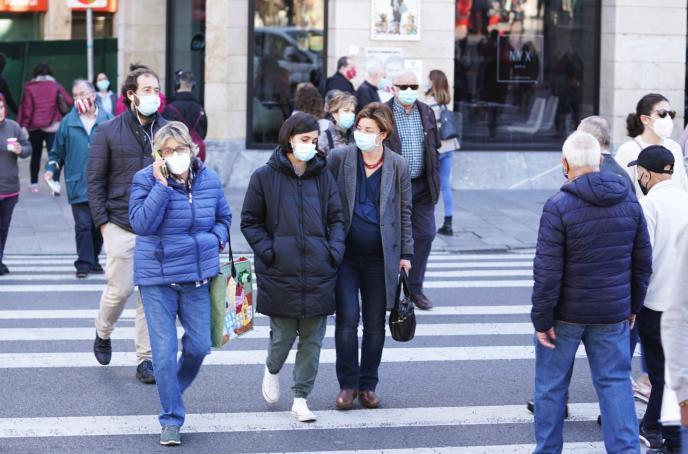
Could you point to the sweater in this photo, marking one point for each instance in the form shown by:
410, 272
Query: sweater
9, 169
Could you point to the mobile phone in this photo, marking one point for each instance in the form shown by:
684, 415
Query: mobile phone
163, 169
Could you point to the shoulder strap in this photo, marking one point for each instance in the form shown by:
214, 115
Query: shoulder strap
179, 114
198, 119
330, 139
231, 257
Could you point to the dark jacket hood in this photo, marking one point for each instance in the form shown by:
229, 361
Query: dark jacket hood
279, 161
598, 188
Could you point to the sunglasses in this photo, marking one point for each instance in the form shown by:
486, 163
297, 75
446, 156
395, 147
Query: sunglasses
403, 87
663, 113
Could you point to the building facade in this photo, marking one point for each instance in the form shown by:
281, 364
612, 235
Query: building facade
523, 73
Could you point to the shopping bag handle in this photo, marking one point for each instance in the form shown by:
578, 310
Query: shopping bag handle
231, 257
403, 284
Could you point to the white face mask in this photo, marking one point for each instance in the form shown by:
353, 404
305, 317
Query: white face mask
304, 151
663, 126
177, 164
148, 104
365, 141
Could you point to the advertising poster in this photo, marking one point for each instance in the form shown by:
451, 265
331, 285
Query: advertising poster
396, 20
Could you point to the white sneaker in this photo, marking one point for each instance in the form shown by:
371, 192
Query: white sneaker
54, 187
271, 387
301, 412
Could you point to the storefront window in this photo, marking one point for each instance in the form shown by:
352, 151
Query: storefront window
186, 43
287, 44
526, 71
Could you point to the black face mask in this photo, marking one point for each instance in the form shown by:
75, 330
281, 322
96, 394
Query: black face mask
643, 188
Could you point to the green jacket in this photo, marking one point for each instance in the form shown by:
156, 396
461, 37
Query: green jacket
70, 151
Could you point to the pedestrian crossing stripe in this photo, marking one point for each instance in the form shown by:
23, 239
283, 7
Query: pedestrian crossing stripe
83, 426
569, 448
263, 332
45, 314
230, 357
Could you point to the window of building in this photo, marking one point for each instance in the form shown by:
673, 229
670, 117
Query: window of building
185, 43
287, 43
102, 25
525, 71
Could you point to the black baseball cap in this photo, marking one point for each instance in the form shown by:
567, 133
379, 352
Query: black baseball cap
654, 158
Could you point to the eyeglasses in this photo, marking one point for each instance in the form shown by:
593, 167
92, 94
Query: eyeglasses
166, 152
403, 87
663, 113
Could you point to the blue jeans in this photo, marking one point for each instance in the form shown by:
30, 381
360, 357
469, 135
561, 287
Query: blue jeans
684, 440
162, 304
368, 276
89, 242
610, 365
446, 182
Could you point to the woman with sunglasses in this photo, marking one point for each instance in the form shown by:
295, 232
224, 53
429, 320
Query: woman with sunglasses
651, 124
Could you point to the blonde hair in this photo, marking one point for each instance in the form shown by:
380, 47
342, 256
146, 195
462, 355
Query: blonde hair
340, 100
174, 130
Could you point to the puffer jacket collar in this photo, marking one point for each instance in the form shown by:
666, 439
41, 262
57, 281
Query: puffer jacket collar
598, 188
279, 161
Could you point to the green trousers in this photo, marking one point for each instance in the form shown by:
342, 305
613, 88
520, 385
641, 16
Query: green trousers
283, 333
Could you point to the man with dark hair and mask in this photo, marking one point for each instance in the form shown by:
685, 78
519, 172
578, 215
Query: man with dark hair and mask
4, 86
120, 148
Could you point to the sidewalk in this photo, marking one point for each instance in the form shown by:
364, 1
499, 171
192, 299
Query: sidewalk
494, 220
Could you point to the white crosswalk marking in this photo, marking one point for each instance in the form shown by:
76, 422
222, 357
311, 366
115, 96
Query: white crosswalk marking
51, 334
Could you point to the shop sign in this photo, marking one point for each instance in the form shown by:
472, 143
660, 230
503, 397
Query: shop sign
98, 6
520, 59
23, 6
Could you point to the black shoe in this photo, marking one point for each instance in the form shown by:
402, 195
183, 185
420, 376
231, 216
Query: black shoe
599, 420
102, 348
421, 301
97, 269
4, 269
651, 438
81, 274
144, 372
446, 228
531, 408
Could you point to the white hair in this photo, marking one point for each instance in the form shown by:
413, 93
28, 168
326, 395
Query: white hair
374, 67
582, 150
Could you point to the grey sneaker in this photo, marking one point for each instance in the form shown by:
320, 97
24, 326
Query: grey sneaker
169, 436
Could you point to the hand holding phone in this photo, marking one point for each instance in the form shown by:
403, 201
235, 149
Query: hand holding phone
160, 169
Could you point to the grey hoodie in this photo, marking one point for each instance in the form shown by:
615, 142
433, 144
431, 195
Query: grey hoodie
9, 170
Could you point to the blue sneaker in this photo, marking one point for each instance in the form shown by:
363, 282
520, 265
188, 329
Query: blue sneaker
169, 436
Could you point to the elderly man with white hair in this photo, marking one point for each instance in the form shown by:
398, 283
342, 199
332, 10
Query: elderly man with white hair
416, 137
592, 267
367, 92
598, 127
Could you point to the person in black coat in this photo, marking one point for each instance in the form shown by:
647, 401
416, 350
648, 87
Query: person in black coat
368, 91
120, 148
184, 106
293, 220
341, 80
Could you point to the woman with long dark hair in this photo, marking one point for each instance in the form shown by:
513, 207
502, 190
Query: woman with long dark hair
651, 124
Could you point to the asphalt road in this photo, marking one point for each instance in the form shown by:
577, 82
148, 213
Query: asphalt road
459, 387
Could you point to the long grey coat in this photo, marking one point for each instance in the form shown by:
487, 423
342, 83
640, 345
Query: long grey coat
395, 206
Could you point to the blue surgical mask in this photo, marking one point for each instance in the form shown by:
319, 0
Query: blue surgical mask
346, 119
408, 96
365, 141
384, 84
304, 151
148, 104
103, 84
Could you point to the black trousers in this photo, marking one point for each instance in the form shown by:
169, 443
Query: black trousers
424, 230
89, 242
6, 209
37, 137
649, 327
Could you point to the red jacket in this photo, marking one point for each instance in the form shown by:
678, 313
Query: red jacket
38, 107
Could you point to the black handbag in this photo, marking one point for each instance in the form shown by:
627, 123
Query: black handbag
448, 129
62, 105
402, 319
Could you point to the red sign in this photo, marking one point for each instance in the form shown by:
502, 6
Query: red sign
23, 6
111, 6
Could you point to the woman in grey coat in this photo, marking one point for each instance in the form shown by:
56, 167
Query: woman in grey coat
375, 187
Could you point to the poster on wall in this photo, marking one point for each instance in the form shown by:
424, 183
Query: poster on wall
391, 60
396, 20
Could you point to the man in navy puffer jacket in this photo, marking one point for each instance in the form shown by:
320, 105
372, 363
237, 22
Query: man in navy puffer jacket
592, 267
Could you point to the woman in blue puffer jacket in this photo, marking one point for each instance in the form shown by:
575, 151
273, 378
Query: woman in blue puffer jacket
179, 212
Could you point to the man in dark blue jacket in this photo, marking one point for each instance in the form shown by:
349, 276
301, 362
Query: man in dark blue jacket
592, 267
